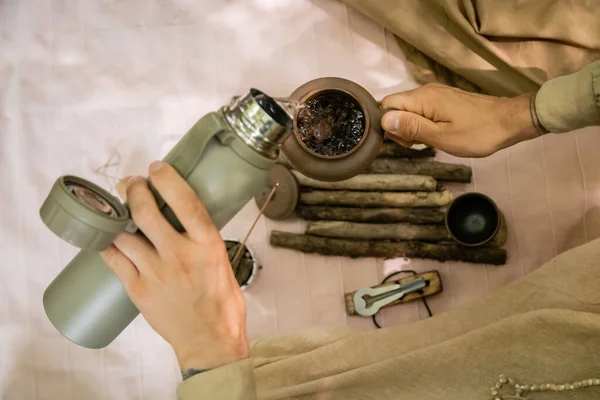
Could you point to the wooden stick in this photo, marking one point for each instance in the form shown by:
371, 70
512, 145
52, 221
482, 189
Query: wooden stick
231, 255
377, 199
394, 150
377, 248
357, 230
239, 252
407, 183
385, 215
435, 169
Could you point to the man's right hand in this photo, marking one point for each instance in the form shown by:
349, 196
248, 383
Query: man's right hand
460, 123
182, 283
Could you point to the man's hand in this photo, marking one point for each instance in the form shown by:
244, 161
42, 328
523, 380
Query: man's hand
183, 284
457, 122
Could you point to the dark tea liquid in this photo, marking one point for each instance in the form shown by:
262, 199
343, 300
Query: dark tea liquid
331, 123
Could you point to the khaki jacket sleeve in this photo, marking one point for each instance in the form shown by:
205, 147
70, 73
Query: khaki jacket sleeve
570, 102
230, 382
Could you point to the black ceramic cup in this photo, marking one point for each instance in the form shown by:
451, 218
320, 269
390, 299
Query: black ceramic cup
473, 219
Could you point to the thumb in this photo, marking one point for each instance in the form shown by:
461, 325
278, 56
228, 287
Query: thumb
409, 127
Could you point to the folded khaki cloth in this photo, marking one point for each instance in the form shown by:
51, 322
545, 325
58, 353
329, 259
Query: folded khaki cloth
544, 328
501, 47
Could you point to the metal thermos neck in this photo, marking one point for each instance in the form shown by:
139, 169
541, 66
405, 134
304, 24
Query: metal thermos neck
260, 122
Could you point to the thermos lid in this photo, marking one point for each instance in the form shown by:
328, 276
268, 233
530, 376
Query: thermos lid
284, 201
83, 213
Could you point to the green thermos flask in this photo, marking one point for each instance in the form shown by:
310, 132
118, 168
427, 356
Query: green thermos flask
225, 157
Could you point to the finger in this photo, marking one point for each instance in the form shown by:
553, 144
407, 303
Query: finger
183, 201
410, 127
404, 101
147, 216
122, 266
404, 143
138, 250
396, 139
121, 188
413, 100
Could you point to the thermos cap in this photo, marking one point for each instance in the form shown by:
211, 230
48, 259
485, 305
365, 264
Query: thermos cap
83, 213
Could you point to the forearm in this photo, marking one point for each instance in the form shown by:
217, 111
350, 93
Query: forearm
570, 102
233, 381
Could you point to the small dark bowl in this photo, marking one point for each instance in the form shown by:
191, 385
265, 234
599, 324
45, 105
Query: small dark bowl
473, 219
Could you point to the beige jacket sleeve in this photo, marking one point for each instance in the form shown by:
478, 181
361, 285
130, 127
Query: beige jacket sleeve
232, 382
570, 102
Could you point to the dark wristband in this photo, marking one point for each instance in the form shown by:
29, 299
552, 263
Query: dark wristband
191, 372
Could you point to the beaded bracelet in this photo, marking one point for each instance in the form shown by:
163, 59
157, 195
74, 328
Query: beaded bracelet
534, 117
521, 389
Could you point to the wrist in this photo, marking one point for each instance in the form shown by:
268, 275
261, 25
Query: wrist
520, 119
212, 356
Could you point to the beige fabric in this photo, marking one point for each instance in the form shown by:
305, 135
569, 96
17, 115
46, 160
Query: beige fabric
570, 102
505, 47
544, 328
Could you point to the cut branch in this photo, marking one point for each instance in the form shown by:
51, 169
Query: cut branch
356, 230
435, 169
377, 199
414, 183
411, 215
377, 248
391, 149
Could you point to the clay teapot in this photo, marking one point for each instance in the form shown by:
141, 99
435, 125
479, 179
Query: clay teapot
306, 156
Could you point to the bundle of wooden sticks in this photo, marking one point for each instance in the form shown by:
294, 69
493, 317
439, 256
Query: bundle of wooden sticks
395, 209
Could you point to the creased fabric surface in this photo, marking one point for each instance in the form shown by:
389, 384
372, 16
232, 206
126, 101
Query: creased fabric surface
503, 48
80, 79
